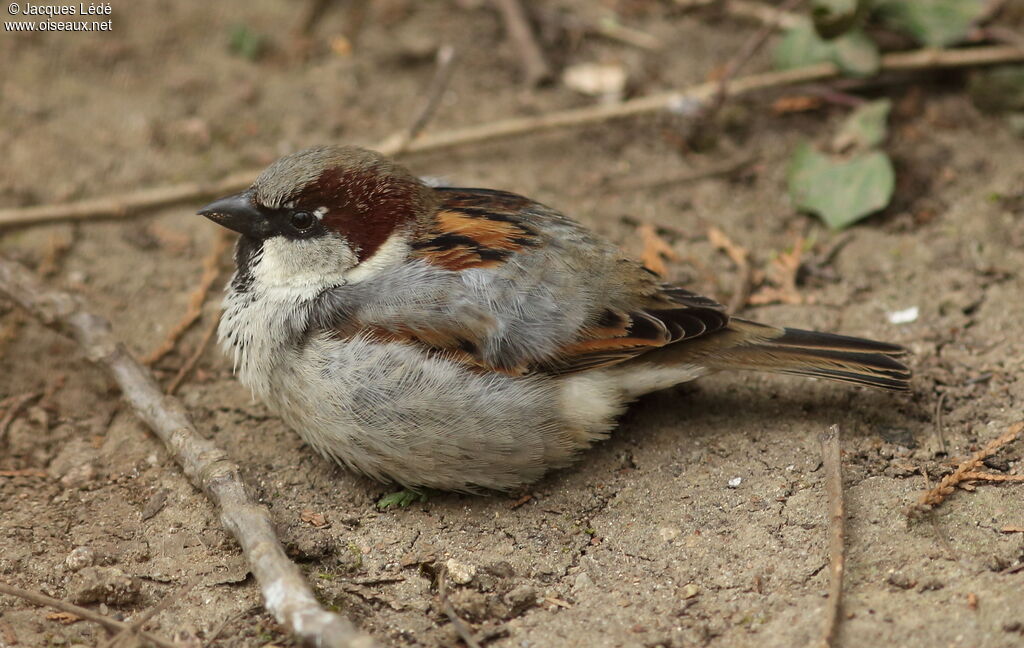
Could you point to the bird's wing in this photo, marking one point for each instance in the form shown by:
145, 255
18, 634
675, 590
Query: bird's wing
584, 303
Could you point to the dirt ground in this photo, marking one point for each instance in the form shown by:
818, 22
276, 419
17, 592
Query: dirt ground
701, 522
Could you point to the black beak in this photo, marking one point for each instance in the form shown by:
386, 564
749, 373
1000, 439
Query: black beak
238, 213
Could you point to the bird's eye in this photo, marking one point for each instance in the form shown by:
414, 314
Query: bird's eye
302, 220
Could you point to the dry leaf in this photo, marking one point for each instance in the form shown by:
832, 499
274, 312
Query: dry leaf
737, 253
63, 617
312, 517
799, 103
782, 273
656, 250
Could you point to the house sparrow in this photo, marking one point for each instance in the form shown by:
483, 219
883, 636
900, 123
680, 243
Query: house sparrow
466, 339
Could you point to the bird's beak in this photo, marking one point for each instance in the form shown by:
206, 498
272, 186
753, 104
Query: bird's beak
238, 213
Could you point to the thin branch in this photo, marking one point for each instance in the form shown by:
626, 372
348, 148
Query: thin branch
460, 626
135, 627
399, 142
535, 67
14, 406
211, 270
939, 493
110, 624
837, 530
286, 594
127, 204
607, 27
765, 14
193, 359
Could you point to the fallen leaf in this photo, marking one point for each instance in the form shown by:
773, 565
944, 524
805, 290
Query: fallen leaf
655, 251
312, 517
864, 128
933, 23
782, 273
63, 617
840, 191
797, 103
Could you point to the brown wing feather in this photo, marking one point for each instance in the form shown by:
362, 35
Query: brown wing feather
475, 228
481, 228
670, 319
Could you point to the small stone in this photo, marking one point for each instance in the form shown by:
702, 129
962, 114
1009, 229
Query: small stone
79, 558
583, 582
735, 482
460, 573
521, 599
107, 585
78, 476
690, 590
668, 534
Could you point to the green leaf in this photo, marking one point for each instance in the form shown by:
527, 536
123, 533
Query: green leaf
856, 54
801, 46
853, 52
834, 18
934, 23
841, 192
245, 42
864, 128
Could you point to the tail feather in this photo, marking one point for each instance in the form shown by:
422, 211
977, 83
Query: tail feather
803, 353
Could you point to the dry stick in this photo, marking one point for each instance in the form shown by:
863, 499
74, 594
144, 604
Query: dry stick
938, 494
15, 407
123, 205
449, 610
105, 621
517, 24
193, 359
763, 13
398, 142
287, 595
836, 524
992, 477
135, 627
211, 269
755, 43
608, 28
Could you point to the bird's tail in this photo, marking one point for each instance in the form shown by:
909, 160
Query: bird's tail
821, 355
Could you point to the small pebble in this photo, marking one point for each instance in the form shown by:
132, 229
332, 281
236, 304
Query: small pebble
735, 482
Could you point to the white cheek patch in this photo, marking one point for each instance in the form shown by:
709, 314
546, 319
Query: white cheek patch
300, 269
392, 252
320, 212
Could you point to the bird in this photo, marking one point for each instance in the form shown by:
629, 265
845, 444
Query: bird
467, 339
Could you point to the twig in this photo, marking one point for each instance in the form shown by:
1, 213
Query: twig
939, 493
750, 47
190, 364
14, 407
211, 269
127, 204
355, 20
105, 621
765, 14
608, 28
938, 422
740, 256
992, 477
681, 177
309, 16
449, 611
399, 142
535, 68
135, 627
837, 532
286, 594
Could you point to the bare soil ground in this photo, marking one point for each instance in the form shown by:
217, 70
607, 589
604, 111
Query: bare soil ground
644, 542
